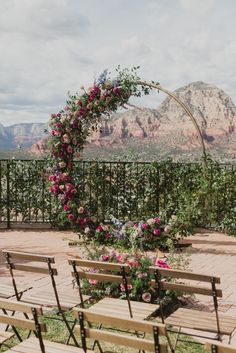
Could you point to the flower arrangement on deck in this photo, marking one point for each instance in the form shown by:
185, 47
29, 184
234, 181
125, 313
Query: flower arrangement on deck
140, 288
145, 235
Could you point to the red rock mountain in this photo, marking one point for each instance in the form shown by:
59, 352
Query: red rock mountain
167, 129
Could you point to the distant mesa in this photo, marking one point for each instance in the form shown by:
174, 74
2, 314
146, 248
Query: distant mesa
167, 127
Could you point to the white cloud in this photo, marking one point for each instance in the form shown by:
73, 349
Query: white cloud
50, 47
197, 6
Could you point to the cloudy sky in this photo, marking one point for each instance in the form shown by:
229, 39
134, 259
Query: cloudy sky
48, 47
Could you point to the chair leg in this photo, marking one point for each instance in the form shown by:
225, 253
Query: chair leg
72, 329
69, 329
177, 338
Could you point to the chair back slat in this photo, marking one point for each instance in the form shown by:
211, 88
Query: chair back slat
193, 289
124, 323
100, 277
221, 348
7, 304
34, 269
122, 340
109, 266
184, 275
22, 323
14, 255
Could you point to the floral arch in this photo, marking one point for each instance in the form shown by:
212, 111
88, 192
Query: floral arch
72, 125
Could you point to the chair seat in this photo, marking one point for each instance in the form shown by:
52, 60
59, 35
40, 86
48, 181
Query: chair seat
119, 307
202, 321
31, 345
7, 290
69, 298
4, 336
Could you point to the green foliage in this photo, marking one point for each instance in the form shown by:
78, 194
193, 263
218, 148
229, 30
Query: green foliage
198, 195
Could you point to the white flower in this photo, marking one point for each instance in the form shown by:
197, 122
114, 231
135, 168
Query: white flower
173, 217
150, 221
167, 229
87, 230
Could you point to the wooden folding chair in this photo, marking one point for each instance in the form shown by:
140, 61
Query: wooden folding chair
215, 347
49, 295
145, 327
111, 273
196, 320
34, 344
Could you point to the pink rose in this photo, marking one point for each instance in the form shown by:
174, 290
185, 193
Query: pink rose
136, 225
80, 210
105, 257
119, 257
52, 178
66, 207
71, 217
157, 219
161, 264
107, 236
144, 226
157, 231
93, 282
122, 287
66, 138
99, 228
69, 149
146, 297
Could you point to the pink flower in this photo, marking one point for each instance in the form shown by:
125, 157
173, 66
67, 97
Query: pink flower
66, 138
52, 178
80, 210
157, 231
144, 226
136, 225
105, 257
122, 287
69, 149
69, 186
99, 228
71, 217
146, 297
93, 282
66, 207
116, 90
161, 264
119, 257
157, 219
133, 263
107, 236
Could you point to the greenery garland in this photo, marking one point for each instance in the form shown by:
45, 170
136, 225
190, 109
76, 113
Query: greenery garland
70, 128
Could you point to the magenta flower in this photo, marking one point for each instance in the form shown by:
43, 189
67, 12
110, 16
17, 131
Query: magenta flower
157, 220
105, 257
144, 226
157, 231
71, 217
161, 263
66, 207
99, 228
52, 178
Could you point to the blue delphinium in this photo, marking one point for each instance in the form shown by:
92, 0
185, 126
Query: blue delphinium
102, 77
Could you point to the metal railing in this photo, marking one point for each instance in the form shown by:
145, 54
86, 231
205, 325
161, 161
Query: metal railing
124, 190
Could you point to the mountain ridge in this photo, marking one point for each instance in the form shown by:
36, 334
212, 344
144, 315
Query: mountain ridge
166, 128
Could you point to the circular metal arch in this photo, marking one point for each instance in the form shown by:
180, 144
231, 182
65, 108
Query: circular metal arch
185, 108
